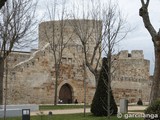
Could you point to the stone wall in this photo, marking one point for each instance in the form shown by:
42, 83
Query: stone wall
17, 56
131, 78
32, 75
33, 80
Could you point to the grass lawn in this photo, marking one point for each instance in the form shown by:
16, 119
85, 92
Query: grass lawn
71, 117
60, 107
79, 116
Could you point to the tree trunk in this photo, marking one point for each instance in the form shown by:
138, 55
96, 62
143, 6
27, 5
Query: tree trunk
55, 96
96, 75
156, 81
56, 82
1, 79
85, 76
143, 12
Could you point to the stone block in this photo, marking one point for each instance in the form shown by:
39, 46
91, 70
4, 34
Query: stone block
16, 110
11, 113
123, 105
32, 107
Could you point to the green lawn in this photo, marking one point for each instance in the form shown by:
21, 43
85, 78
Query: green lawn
60, 107
70, 117
89, 116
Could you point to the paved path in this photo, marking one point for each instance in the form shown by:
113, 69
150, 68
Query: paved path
80, 110
66, 111
137, 107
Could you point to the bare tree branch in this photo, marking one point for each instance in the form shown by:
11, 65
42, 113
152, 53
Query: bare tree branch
57, 37
147, 3
17, 18
143, 12
142, 1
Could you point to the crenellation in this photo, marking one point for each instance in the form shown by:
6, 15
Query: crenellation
123, 54
135, 54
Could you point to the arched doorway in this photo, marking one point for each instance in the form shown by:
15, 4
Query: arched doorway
65, 93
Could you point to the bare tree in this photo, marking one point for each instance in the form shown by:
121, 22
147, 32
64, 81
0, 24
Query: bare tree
114, 32
107, 28
59, 37
89, 34
16, 23
143, 12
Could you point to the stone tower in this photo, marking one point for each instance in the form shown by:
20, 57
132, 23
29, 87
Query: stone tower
33, 80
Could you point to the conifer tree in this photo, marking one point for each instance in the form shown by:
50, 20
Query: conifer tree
99, 103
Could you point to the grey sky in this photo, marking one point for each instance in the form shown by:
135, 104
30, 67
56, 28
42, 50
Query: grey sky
138, 38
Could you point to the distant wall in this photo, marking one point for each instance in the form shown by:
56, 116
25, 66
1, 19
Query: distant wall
131, 77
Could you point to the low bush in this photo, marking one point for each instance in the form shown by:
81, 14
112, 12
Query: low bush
153, 111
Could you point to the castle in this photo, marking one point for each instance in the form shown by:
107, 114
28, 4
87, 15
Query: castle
32, 74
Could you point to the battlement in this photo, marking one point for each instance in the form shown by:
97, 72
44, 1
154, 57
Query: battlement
135, 54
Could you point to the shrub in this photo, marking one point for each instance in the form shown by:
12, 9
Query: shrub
99, 103
153, 110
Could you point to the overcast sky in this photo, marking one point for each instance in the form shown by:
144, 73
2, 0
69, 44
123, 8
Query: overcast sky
138, 38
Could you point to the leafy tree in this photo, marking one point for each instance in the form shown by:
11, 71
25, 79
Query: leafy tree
99, 104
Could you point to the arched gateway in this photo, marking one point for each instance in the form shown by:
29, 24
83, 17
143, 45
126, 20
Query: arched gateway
65, 93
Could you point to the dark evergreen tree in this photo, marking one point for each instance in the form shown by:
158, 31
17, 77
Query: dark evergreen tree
99, 102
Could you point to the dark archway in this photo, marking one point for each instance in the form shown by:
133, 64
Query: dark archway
65, 94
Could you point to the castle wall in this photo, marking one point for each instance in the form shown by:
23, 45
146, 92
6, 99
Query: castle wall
53, 30
131, 78
32, 76
16, 57
33, 80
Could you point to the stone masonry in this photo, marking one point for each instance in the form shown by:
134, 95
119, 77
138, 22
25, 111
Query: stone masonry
131, 78
32, 74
